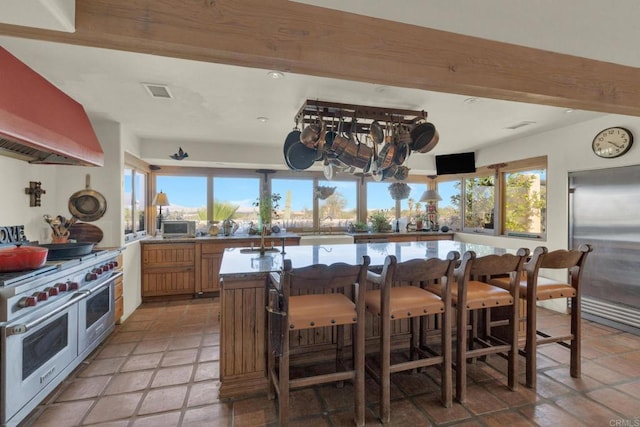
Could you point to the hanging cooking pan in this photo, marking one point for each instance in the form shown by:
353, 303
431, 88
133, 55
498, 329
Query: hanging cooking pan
386, 156
402, 152
87, 205
292, 138
422, 135
431, 144
301, 157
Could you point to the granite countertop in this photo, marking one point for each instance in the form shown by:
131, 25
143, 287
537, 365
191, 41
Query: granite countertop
220, 237
237, 261
407, 233
285, 235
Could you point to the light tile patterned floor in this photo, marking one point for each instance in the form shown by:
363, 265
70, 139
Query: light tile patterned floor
160, 368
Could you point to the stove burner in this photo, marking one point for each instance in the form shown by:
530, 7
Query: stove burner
7, 279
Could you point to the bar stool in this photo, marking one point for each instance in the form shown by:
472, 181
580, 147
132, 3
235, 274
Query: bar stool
331, 295
539, 288
402, 296
470, 294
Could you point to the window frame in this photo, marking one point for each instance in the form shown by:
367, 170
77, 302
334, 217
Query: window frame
137, 166
500, 172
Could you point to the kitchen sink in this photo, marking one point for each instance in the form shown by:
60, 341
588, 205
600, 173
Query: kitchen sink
325, 238
257, 250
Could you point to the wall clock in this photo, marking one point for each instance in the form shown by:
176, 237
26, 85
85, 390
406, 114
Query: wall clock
612, 142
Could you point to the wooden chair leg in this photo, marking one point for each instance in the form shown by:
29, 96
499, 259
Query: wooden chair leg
415, 338
576, 347
514, 321
461, 354
271, 363
531, 348
445, 369
358, 366
385, 369
283, 383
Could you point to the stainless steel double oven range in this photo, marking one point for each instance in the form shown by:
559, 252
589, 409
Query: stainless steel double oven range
51, 319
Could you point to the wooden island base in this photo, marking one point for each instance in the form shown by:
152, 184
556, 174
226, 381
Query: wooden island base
243, 361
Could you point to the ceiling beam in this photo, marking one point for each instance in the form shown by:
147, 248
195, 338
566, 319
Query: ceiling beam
298, 38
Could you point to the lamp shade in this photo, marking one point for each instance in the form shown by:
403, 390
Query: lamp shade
160, 199
430, 196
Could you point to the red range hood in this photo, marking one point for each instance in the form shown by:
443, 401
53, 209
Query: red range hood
41, 124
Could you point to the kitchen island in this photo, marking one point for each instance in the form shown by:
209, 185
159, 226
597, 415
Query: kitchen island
243, 298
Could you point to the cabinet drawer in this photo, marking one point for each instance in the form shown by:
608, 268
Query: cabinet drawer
177, 254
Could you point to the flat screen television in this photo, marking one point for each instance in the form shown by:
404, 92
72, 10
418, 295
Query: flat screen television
455, 163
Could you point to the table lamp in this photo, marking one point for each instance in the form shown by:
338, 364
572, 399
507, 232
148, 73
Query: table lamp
161, 200
431, 197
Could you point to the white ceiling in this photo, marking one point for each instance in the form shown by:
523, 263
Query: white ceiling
216, 103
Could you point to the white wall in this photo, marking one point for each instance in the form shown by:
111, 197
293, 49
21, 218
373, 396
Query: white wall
15, 176
568, 149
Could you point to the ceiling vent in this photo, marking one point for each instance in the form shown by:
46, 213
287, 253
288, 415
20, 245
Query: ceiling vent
158, 91
520, 125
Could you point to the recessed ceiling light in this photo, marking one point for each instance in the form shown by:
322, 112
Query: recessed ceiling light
569, 110
471, 100
275, 75
262, 119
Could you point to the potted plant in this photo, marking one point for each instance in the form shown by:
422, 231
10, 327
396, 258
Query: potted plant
267, 209
379, 221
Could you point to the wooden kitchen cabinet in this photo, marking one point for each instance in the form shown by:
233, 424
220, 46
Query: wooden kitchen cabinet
189, 268
118, 299
118, 290
168, 269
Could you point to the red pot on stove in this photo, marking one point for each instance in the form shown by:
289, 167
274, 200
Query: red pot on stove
21, 258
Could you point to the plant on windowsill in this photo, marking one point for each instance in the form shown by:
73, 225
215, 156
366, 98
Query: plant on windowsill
379, 222
267, 210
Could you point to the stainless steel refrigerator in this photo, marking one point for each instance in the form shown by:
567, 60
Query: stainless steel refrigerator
604, 211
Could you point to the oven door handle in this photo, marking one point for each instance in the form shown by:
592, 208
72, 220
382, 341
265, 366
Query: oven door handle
24, 328
101, 285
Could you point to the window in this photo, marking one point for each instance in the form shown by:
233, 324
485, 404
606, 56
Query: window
187, 198
339, 209
135, 178
449, 209
379, 198
508, 199
296, 203
233, 198
479, 195
412, 207
525, 202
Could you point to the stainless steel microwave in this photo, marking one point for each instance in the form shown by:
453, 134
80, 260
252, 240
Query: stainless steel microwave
177, 229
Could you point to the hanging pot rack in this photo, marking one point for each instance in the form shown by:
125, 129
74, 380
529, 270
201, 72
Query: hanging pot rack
345, 138
332, 113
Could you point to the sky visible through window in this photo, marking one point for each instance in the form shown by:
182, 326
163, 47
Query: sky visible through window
183, 192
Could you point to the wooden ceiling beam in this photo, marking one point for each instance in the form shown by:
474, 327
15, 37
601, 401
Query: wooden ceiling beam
293, 37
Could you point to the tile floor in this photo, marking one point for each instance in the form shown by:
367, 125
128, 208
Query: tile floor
160, 368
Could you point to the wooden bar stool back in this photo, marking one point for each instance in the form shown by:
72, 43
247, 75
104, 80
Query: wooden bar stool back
537, 287
402, 295
330, 296
470, 293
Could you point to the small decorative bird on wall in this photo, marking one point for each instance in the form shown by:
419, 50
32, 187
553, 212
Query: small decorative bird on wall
181, 154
